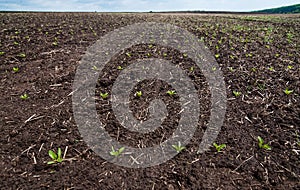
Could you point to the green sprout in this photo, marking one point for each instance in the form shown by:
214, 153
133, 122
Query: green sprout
22, 55
139, 93
290, 67
120, 67
128, 54
271, 69
116, 153
55, 43
253, 69
165, 54
104, 95
261, 86
262, 145
236, 93
231, 69
171, 92
297, 137
287, 91
249, 55
95, 68
2, 52
201, 39
185, 55
24, 96
56, 158
16, 43
178, 147
192, 69
217, 55
289, 37
214, 68
148, 54
16, 69
219, 147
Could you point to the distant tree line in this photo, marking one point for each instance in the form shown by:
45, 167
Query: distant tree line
282, 10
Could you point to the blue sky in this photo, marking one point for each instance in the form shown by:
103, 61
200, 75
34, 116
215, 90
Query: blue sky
141, 5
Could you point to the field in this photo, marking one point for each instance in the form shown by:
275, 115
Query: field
259, 56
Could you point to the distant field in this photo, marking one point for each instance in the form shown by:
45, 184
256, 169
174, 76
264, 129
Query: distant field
259, 56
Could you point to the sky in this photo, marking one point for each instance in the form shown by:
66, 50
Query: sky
141, 5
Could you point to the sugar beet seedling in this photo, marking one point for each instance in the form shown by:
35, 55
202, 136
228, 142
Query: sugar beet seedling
104, 95
178, 147
171, 92
139, 93
117, 152
219, 147
262, 145
24, 96
56, 158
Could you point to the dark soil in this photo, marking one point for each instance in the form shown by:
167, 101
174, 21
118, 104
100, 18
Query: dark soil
259, 57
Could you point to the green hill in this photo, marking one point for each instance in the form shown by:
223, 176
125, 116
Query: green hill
282, 10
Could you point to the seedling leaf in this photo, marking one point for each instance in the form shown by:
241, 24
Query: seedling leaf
121, 149
52, 155
51, 162
58, 153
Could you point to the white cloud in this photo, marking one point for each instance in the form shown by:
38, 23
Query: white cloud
66, 5
54, 5
209, 5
